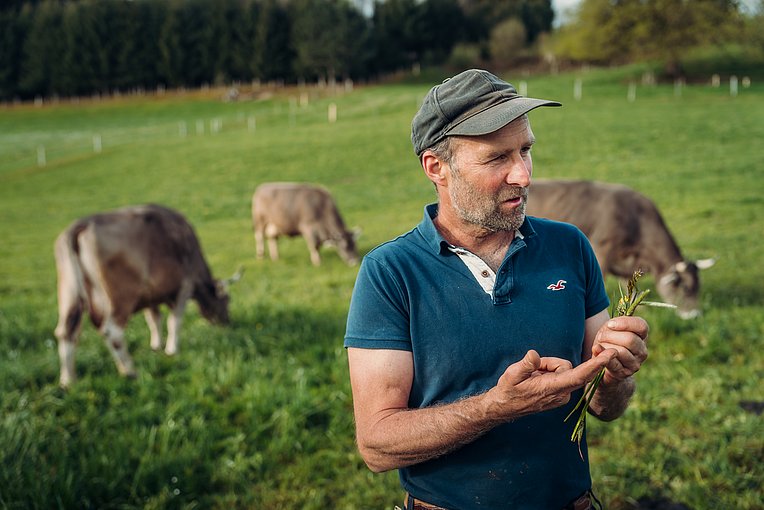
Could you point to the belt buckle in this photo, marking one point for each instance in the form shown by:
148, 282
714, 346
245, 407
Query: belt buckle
582, 503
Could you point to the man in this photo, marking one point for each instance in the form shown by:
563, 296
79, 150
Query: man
471, 337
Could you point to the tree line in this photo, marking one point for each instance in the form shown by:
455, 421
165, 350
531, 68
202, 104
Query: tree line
686, 36
74, 48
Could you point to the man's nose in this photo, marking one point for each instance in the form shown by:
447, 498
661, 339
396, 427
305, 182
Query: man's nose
519, 172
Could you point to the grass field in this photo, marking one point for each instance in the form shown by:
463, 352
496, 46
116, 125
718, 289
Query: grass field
258, 414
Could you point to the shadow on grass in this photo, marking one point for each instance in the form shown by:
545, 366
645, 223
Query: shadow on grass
274, 329
749, 293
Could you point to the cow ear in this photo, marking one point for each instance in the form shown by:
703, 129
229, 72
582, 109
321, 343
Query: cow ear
223, 285
236, 276
705, 263
670, 277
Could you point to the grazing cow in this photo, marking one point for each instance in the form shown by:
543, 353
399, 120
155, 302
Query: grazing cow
292, 209
627, 233
116, 263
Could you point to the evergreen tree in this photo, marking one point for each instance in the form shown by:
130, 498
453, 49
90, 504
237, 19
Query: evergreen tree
169, 68
14, 24
42, 68
437, 26
146, 31
325, 38
237, 53
483, 15
273, 51
393, 34
197, 35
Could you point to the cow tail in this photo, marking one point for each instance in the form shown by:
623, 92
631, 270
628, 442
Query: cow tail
72, 296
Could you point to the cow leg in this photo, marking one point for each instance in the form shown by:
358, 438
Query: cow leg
311, 239
175, 319
70, 310
272, 233
114, 336
153, 319
67, 332
259, 243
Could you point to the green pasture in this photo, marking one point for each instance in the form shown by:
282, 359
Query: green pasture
258, 414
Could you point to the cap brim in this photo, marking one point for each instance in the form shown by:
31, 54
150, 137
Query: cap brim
497, 116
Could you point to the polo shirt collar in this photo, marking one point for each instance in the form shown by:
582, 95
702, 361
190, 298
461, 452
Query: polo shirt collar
436, 242
428, 231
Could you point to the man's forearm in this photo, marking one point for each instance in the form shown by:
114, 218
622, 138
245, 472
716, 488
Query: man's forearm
404, 437
612, 398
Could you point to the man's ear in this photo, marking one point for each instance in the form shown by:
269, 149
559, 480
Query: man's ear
434, 168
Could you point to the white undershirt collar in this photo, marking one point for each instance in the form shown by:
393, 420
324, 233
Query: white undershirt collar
482, 272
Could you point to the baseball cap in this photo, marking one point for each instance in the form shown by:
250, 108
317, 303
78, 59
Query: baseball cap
472, 103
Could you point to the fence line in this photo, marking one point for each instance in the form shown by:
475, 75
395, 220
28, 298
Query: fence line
49, 148
45, 150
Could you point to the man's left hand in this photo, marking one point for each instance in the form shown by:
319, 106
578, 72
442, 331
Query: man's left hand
628, 337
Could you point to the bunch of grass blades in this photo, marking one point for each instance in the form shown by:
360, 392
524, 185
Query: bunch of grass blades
626, 306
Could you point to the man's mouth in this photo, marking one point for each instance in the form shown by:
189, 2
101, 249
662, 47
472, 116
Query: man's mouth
515, 200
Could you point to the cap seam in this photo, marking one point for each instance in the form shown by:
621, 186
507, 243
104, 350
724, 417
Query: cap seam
441, 113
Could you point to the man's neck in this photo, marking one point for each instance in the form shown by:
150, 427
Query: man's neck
489, 245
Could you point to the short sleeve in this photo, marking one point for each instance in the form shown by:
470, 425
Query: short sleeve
378, 317
596, 296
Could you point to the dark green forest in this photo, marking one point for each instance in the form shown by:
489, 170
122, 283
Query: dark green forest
73, 48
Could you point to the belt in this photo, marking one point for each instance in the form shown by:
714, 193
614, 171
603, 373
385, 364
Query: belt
582, 503
411, 503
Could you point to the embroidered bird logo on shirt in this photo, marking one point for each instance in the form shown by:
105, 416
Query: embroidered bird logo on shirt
557, 286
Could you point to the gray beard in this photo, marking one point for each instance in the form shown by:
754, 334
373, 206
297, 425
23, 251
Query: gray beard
483, 211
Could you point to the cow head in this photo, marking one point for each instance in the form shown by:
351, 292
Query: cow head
346, 246
213, 302
680, 285
213, 298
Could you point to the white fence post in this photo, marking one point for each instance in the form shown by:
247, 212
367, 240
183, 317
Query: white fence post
332, 113
97, 143
41, 156
631, 96
578, 89
733, 85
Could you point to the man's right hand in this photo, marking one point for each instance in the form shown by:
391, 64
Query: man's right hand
536, 384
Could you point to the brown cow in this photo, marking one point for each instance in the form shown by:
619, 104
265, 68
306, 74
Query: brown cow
116, 263
292, 209
626, 231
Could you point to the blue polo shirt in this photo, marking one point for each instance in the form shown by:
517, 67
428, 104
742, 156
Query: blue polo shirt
414, 294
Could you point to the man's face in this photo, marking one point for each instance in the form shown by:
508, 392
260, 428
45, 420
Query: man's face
490, 175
